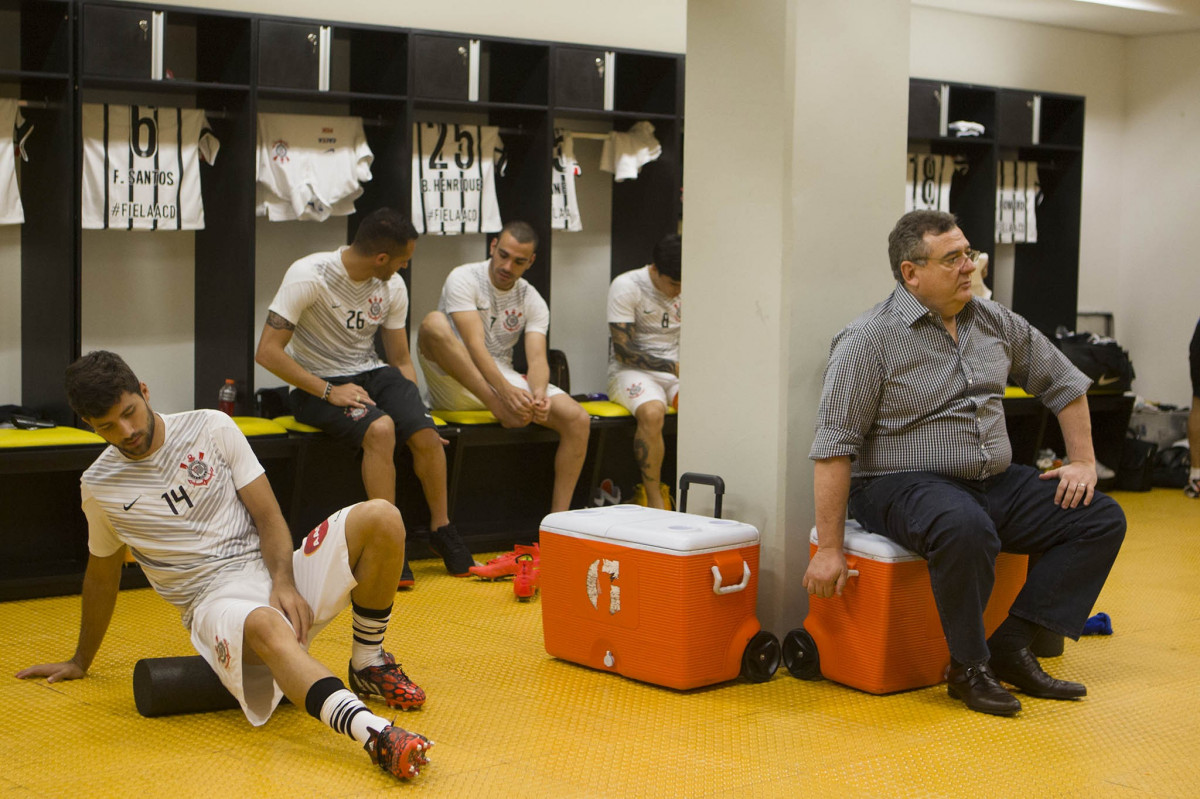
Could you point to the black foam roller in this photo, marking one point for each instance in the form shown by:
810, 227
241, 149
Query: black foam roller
170, 686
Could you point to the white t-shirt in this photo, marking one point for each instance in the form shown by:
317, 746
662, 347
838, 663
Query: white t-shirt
454, 178
310, 167
336, 317
141, 166
632, 298
625, 153
503, 313
177, 510
11, 212
564, 206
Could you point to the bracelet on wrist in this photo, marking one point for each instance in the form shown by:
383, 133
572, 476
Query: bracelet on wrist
328, 389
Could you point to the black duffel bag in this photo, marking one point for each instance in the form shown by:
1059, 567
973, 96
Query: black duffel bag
1136, 472
1101, 359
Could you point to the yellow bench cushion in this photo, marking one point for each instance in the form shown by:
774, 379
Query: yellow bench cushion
290, 424
608, 408
258, 426
465, 417
47, 437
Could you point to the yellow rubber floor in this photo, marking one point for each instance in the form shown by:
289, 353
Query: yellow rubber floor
510, 721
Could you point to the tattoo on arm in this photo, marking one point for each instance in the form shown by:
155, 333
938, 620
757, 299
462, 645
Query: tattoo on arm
630, 354
278, 322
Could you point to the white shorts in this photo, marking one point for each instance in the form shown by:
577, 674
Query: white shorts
632, 388
321, 567
447, 394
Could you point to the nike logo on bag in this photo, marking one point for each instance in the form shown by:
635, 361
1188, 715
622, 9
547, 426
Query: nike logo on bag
131, 504
1107, 381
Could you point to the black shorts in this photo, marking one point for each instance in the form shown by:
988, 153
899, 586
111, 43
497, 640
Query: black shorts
1194, 360
394, 395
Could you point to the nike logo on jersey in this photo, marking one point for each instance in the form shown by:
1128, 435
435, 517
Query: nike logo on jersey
645, 311
1107, 381
335, 305
131, 504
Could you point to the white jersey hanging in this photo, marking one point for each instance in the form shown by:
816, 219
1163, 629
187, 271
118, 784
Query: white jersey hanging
141, 166
1017, 194
927, 184
11, 123
310, 167
454, 178
564, 207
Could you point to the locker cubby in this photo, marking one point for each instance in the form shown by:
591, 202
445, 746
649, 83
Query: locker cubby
118, 43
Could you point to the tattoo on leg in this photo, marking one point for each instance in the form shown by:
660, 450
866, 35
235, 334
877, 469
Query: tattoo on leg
641, 453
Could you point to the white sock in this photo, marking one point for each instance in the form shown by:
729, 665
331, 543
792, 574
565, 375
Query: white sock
369, 629
1195, 474
345, 713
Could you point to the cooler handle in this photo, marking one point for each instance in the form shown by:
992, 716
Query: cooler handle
729, 589
718, 485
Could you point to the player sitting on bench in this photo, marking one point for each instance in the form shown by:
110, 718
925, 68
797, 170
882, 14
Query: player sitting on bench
466, 352
643, 362
188, 497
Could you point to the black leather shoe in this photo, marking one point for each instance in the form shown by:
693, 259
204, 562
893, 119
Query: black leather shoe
978, 688
1021, 668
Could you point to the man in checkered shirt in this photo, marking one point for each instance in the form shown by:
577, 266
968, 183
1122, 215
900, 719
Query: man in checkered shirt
911, 437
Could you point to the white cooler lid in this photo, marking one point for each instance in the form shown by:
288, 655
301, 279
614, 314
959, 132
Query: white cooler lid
871, 545
652, 529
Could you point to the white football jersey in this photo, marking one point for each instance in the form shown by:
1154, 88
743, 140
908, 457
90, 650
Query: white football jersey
1017, 190
564, 207
11, 122
177, 510
503, 313
141, 166
454, 178
927, 184
336, 317
310, 167
632, 298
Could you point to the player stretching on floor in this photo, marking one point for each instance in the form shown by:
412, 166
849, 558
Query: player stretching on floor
186, 494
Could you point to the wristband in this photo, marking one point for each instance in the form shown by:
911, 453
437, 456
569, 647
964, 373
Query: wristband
328, 389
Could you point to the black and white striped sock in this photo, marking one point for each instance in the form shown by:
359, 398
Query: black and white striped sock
330, 701
369, 629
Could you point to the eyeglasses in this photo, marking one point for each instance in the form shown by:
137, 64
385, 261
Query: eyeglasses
955, 259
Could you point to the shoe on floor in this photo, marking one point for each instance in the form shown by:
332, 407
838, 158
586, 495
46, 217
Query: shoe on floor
977, 687
506, 565
1192, 489
639, 496
398, 752
447, 543
406, 577
525, 581
1021, 669
388, 682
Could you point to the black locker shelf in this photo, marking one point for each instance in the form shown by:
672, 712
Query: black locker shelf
70, 51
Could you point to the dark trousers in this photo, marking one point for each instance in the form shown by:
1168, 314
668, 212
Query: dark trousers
959, 526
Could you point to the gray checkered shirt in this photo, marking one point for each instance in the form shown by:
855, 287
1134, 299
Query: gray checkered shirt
900, 395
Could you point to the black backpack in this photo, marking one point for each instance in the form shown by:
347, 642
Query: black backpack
1101, 359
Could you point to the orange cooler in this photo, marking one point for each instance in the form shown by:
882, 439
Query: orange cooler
883, 634
663, 597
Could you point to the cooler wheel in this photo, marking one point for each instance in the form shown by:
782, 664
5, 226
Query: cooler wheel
800, 655
761, 658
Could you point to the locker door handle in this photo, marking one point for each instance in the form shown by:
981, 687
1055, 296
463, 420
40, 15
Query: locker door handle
730, 589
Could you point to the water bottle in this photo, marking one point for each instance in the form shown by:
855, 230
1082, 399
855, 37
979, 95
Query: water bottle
227, 397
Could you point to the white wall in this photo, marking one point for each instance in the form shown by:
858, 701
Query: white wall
1160, 238
785, 240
